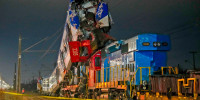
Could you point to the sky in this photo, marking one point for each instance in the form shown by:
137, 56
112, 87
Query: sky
38, 19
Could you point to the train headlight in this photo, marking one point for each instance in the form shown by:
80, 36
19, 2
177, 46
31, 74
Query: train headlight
145, 43
164, 44
156, 44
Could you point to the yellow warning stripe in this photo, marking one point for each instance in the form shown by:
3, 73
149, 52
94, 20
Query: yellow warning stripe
49, 97
12, 93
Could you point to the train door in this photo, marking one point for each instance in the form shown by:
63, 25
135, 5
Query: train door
95, 64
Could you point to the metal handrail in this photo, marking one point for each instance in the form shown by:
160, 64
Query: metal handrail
140, 77
186, 85
124, 75
112, 68
175, 71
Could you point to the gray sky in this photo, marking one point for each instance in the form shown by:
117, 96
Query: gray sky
37, 19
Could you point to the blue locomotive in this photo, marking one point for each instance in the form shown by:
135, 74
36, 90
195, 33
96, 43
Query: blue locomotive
118, 69
128, 64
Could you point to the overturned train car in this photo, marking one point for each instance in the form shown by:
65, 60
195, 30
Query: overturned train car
87, 22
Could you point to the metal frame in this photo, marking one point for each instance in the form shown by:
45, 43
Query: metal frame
108, 83
170, 69
186, 85
140, 77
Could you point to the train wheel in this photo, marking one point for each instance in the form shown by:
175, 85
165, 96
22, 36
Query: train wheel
84, 96
95, 94
99, 92
115, 94
76, 95
121, 95
90, 96
111, 94
65, 93
134, 94
69, 94
80, 96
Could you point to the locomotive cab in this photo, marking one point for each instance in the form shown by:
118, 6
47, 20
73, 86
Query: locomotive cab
150, 53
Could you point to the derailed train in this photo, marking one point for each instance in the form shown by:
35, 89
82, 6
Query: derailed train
89, 21
117, 69
124, 66
92, 64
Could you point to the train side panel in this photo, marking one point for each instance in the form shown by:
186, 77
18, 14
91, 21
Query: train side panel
153, 59
150, 52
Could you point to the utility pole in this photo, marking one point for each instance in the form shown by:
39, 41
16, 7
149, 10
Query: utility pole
14, 81
193, 54
19, 65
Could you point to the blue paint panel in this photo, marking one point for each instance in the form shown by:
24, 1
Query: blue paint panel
106, 69
98, 73
82, 68
159, 59
144, 56
142, 59
102, 11
153, 59
71, 1
162, 39
153, 38
114, 47
74, 19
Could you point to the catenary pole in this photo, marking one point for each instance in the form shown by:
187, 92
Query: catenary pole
19, 66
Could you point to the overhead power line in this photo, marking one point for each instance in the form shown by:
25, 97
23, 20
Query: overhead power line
50, 46
185, 26
50, 51
26, 50
182, 29
44, 39
183, 36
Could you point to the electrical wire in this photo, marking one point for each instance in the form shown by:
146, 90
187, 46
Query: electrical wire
50, 46
44, 39
187, 25
183, 36
35, 44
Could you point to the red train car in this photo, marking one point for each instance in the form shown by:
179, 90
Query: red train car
94, 64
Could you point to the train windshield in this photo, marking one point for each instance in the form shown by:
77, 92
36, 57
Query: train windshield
97, 62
